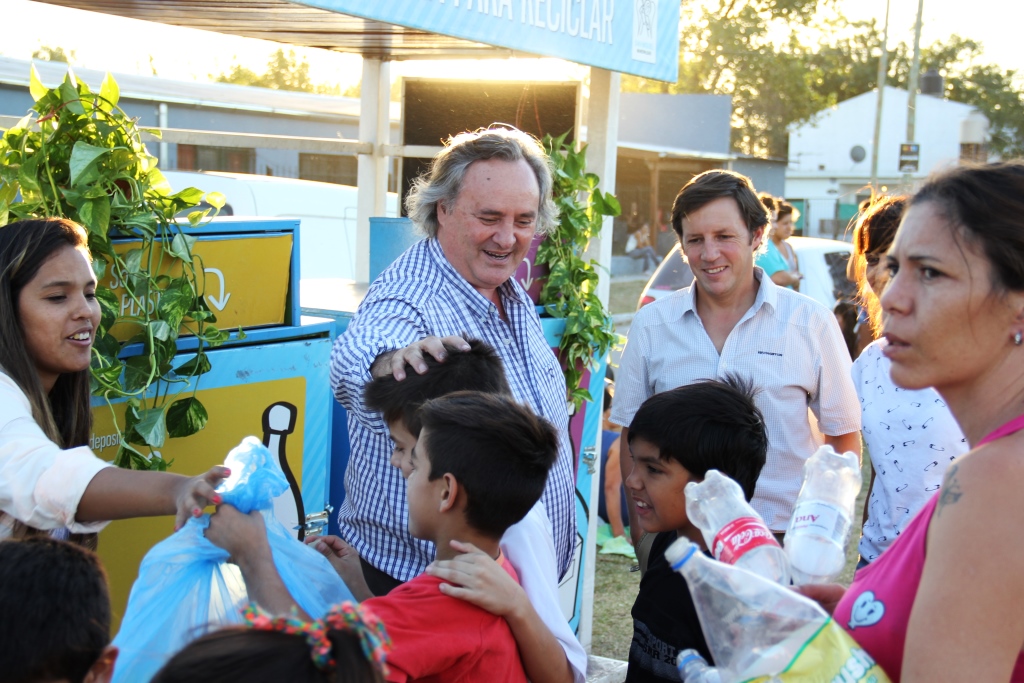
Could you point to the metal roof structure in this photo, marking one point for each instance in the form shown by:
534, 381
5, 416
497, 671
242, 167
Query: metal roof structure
297, 24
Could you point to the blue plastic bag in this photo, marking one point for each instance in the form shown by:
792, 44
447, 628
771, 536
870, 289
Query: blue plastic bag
186, 587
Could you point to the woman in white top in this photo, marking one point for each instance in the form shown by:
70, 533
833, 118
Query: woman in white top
910, 434
49, 479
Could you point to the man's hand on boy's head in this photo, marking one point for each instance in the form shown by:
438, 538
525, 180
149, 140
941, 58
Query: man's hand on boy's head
394, 362
243, 536
345, 561
477, 578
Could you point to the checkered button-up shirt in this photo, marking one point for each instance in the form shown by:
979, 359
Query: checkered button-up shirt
419, 295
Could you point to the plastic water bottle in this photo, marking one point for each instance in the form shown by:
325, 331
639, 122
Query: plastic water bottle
820, 527
759, 630
694, 669
732, 529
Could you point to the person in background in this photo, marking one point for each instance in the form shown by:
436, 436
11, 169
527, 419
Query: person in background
50, 482
910, 434
943, 602
778, 260
613, 507
638, 246
54, 613
733, 318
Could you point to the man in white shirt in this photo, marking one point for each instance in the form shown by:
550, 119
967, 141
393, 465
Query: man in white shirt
733, 319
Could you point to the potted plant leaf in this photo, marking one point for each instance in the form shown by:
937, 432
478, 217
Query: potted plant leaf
77, 155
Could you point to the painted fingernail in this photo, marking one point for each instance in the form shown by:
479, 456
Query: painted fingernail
227, 472
216, 499
196, 512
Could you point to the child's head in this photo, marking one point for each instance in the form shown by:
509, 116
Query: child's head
483, 454
678, 435
478, 369
345, 647
56, 613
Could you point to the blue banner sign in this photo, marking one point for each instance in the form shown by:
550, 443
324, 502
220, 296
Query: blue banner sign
639, 37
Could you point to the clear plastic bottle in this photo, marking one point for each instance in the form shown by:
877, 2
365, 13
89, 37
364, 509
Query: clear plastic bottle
820, 527
732, 529
694, 669
760, 631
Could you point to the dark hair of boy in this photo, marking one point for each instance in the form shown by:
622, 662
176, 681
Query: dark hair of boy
54, 611
478, 369
498, 451
711, 424
245, 655
715, 184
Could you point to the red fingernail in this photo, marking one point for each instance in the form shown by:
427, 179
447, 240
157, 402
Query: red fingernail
216, 500
196, 512
227, 472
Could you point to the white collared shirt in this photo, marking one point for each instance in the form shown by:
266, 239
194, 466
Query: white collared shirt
789, 345
40, 483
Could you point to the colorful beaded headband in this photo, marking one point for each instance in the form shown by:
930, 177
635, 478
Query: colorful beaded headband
346, 616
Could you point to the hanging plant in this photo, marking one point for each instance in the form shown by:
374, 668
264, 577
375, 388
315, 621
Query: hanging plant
77, 155
570, 291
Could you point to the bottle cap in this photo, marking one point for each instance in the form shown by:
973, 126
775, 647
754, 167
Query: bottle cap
679, 552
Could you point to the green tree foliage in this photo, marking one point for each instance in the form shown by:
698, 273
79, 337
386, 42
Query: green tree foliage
783, 61
54, 54
285, 71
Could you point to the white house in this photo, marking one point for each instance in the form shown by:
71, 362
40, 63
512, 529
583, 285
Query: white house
830, 157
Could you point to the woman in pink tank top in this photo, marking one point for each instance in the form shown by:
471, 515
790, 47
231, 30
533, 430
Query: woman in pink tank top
945, 602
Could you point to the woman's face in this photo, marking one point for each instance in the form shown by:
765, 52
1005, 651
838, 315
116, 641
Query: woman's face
59, 314
876, 271
784, 227
946, 326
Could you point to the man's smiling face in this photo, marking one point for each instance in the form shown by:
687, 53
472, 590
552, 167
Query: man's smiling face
720, 249
486, 232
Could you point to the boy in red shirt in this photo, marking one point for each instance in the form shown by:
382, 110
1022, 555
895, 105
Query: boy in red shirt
478, 466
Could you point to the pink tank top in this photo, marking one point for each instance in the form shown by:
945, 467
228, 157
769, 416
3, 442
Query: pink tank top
875, 609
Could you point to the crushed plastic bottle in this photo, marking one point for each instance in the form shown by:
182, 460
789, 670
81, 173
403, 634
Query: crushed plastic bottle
694, 669
820, 527
761, 632
732, 529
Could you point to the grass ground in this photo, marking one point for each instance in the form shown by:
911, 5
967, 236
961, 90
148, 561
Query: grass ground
624, 295
615, 590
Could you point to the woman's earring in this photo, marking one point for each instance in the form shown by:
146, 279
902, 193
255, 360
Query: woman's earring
1018, 338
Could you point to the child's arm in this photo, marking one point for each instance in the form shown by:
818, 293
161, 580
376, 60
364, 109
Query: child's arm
245, 537
478, 579
345, 561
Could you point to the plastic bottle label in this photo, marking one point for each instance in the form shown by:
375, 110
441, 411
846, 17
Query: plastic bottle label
739, 537
821, 519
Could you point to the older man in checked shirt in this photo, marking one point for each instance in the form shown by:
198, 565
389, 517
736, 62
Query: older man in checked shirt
486, 196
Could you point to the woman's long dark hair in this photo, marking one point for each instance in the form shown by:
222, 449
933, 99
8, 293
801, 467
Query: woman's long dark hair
64, 414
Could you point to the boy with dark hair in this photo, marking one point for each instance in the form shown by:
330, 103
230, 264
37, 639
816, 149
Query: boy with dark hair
54, 613
675, 438
479, 465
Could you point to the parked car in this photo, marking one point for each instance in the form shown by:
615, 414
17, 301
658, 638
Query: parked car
822, 263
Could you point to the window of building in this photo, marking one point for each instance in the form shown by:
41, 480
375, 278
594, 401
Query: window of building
203, 158
328, 168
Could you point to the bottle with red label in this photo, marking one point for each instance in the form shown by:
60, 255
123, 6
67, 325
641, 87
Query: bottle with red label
732, 529
820, 526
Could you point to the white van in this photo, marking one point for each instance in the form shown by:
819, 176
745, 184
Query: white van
327, 246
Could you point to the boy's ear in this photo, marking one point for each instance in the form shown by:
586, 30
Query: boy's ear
102, 669
451, 493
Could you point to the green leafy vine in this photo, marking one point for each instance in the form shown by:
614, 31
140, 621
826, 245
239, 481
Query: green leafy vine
77, 155
570, 291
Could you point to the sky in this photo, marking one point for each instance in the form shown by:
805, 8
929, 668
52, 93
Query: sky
189, 54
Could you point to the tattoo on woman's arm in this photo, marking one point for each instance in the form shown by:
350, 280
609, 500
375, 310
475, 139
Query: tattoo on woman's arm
951, 490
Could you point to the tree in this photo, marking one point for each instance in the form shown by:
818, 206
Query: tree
284, 72
783, 61
54, 54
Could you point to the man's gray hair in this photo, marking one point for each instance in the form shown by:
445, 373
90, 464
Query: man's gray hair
443, 181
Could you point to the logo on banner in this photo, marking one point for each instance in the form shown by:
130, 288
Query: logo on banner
645, 33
